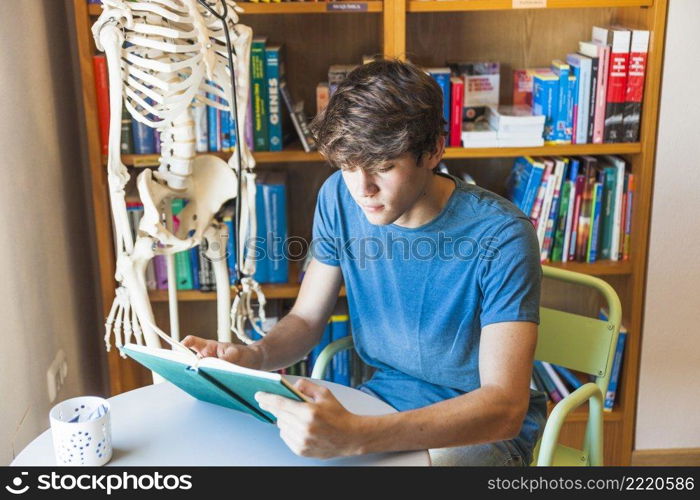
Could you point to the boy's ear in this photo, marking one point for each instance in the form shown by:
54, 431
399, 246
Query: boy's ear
434, 159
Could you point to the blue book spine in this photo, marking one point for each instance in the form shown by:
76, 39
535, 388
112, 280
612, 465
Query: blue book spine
569, 377
259, 246
231, 250
274, 116
545, 101
443, 80
561, 70
615, 373
533, 184
316, 351
275, 201
225, 128
144, 140
341, 361
517, 181
194, 263
595, 226
572, 101
212, 125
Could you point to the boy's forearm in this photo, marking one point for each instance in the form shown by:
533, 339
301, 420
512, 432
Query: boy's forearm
286, 343
477, 417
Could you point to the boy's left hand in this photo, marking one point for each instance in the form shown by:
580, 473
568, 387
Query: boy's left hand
321, 428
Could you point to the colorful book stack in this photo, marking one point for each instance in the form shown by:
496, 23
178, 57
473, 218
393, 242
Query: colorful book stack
555, 381
581, 206
215, 129
468, 88
194, 270
593, 96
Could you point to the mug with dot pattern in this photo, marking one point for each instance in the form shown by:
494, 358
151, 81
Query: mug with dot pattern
81, 431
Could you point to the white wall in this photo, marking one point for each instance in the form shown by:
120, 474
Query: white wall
46, 281
669, 384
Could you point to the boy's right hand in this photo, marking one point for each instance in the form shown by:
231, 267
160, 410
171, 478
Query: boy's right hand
238, 354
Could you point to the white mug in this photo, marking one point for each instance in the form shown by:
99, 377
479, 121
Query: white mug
81, 431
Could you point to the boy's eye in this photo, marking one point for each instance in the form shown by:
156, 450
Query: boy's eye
386, 169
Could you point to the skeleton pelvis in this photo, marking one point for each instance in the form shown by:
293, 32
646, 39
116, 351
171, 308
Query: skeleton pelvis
211, 184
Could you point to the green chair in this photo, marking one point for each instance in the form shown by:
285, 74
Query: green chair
570, 340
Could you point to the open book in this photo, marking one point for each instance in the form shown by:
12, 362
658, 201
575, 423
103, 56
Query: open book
214, 380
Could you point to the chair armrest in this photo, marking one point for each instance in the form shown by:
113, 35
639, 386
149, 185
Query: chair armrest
324, 359
588, 392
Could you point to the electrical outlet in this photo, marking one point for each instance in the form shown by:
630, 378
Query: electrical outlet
56, 374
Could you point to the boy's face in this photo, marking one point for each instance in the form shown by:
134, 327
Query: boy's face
388, 195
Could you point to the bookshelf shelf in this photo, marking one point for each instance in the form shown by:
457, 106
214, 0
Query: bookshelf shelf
491, 31
580, 414
289, 155
474, 5
291, 289
373, 6
600, 268
294, 154
271, 291
565, 149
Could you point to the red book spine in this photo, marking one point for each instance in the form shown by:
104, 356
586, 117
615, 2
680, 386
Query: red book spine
617, 85
102, 91
457, 93
635, 85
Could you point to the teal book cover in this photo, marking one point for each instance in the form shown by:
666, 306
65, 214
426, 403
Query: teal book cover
214, 380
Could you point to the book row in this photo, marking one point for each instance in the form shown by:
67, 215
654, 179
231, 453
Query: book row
581, 206
558, 382
269, 124
194, 270
593, 96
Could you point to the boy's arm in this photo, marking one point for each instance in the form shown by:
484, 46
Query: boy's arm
294, 335
299, 331
493, 412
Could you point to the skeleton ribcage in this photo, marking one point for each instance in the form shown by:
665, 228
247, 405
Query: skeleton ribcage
174, 56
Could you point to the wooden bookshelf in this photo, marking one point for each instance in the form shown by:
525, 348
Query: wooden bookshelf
429, 33
250, 8
475, 5
295, 154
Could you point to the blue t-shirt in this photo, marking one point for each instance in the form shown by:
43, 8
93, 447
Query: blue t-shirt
419, 297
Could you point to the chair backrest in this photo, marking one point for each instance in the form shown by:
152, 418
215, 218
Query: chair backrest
579, 342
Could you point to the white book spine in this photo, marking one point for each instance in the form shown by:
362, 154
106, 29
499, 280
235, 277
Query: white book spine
584, 103
200, 128
550, 222
561, 388
546, 205
569, 220
617, 213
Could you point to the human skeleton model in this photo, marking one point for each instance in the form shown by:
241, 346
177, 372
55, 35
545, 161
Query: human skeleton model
162, 57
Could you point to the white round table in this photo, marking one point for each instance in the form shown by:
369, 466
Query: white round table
160, 425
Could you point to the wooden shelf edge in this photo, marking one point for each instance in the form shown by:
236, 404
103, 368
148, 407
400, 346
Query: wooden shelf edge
346, 7
600, 268
271, 291
559, 150
581, 414
476, 5
288, 156
297, 155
